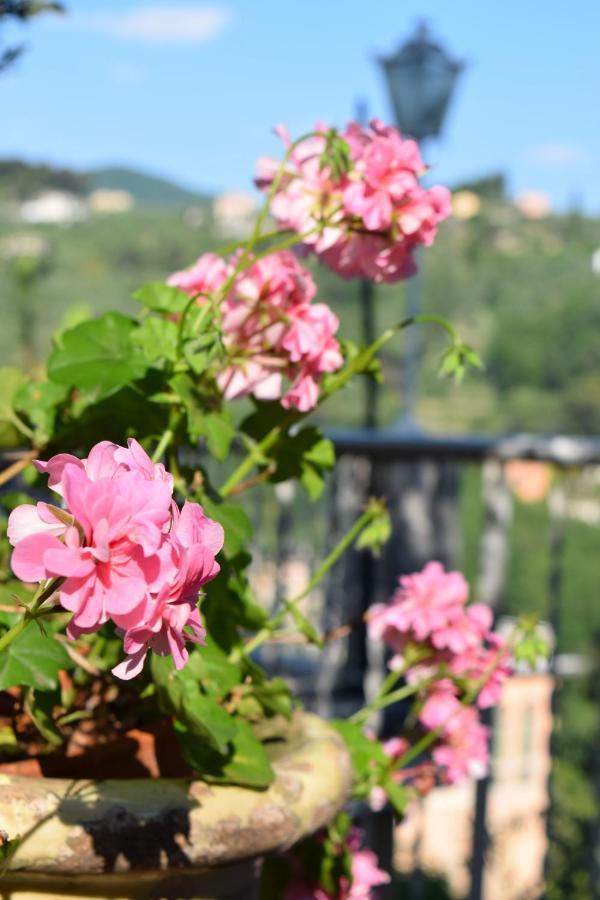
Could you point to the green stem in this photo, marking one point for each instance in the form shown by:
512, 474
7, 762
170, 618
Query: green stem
32, 612
425, 742
246, 255
167, 437
386, 700
21, 426
226, 249
388, 683
265, 633
372, 511
181, 325
14, 632
256, 454
368, 354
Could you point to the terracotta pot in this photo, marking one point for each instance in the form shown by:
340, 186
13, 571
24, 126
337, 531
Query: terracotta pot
168, 838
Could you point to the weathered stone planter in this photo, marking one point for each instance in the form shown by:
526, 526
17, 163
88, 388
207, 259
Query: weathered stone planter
168, 838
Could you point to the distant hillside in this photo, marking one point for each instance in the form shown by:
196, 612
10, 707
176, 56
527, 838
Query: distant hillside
20, 180
146, 189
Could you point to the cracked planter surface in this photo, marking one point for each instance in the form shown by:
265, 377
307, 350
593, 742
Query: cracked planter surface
168, 837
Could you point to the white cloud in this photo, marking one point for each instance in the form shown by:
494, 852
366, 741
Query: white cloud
559, 153
157, 24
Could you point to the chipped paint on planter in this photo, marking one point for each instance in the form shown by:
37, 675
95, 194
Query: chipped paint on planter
73, 831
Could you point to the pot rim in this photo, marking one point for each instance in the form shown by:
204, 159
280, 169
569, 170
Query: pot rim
78, 827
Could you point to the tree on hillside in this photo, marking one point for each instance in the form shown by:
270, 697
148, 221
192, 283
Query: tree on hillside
22, 10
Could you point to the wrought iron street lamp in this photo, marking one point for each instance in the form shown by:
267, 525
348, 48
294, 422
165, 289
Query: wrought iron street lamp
421, 78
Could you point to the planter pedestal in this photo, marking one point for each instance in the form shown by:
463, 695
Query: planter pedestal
237, 882
169, 838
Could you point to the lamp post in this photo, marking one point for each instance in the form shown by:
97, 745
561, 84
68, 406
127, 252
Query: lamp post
420, 77
367, 307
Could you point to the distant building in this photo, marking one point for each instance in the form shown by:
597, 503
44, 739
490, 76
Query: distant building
107, 201
436, 836
234, 213
466, 204
23, 244
53, 208
533, 204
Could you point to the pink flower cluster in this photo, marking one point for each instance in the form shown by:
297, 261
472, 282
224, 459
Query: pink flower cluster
366, 874
368, 222
122, 549
452, 644
279, 342
463, 748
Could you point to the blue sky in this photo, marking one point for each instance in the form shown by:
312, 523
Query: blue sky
191, 90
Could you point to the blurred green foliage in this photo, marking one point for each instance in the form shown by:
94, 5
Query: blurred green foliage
522, 292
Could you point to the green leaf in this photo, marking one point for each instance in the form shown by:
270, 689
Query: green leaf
265, 417
40, 400
367, 755
305, 455
9, 744
216, 426
235, 522
246, 764
98, 356
162, 297
202, 716
229, 603
114, 418
213, 670
157, 338
397, 795
219, 431
376, 533
179, 694
12, 380
33, 660
8, 848
39, 707
203, 338
275, 697
457, 359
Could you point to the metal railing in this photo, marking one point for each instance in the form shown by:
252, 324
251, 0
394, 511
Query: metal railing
421, 477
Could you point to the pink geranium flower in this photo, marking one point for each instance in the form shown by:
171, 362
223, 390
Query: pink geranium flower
489, 661
441, 704
425, 604
454, 651
108, 557
120, 549
463, 751
278, 342
369, 221
205, 276
169, 617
